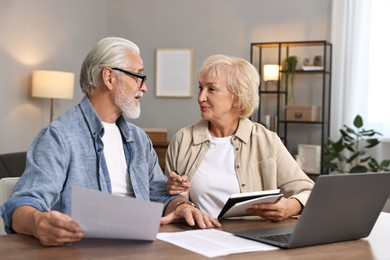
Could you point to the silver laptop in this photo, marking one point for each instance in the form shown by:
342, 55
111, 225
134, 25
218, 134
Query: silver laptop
340, 207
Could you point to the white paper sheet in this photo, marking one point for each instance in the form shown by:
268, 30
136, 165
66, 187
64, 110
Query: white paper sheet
212, 242
103, 215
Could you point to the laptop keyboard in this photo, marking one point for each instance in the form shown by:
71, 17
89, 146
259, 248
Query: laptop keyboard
283, 238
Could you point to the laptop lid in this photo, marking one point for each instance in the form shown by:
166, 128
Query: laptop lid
340, 207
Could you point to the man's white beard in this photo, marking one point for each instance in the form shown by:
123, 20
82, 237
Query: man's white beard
131, 111
126, 104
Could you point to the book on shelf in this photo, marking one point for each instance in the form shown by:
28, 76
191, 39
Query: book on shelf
238, 203
309, 68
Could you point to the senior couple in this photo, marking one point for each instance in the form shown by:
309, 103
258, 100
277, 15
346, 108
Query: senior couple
95, 146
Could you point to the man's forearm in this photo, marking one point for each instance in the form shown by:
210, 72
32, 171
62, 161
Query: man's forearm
23, 220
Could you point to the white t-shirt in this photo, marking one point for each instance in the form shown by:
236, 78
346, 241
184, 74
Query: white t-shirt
115, 159
215, 179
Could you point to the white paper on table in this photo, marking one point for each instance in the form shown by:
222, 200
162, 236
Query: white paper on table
212, 242
103, 215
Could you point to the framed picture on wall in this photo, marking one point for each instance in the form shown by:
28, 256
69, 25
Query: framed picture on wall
174, 72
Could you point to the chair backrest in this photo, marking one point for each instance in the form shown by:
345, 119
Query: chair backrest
6, 186
386, 208
12, 164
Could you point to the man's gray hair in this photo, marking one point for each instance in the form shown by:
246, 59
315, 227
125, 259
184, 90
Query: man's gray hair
108, 52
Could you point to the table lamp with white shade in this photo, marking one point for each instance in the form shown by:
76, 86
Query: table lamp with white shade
271, 72
52, 84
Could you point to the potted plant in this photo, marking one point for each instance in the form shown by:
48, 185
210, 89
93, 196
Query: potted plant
290, 65
349, 153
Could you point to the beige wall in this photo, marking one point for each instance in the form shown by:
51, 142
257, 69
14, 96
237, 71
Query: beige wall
54, 34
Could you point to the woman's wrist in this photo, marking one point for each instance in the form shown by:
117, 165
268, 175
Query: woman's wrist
185, 202
296, 206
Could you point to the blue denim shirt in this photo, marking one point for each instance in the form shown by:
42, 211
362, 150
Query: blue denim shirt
69, 152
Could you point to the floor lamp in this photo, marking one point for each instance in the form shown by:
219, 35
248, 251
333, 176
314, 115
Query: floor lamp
52, 84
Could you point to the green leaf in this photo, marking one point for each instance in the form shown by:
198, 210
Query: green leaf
358, 169
385, 163
354, 156
368, 133
358, 121
349, 147
373, 164
339, 146
348, 131
371, 143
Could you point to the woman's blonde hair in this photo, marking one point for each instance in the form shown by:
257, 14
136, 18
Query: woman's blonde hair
242, 80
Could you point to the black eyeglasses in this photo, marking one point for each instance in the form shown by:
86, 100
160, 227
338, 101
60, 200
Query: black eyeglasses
137, 75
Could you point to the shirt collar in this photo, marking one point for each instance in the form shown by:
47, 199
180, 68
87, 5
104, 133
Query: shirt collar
201, 132
94, 122
244, 130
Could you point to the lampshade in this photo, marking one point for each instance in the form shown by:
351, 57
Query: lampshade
270, 72
52, 84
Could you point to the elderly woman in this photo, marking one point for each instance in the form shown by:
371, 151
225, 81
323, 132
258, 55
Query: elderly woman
226, 153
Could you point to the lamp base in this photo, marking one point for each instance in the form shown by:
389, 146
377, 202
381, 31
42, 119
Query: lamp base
51, 109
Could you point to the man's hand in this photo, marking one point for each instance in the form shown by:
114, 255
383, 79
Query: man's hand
178, 184
51, 228
277, 212
192, 215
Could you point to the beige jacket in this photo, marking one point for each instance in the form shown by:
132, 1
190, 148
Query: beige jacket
262, 161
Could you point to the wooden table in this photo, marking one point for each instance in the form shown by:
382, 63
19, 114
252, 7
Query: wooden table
376, 246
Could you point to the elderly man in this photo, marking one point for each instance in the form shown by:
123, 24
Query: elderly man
94, 146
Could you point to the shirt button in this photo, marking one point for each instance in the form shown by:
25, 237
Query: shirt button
243, 185
237, 166
236, 148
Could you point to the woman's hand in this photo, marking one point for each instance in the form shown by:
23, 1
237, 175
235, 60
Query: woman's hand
178, 184
277, 212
